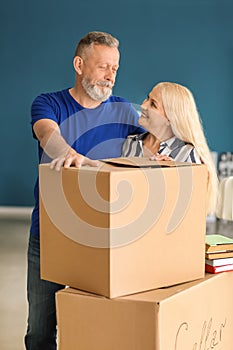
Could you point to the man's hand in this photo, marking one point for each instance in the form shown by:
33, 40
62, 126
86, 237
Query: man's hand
54, 145
72, 158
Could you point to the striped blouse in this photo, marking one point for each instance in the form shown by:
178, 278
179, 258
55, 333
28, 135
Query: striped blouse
175, 148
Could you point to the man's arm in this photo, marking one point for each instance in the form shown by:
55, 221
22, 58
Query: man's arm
55, 146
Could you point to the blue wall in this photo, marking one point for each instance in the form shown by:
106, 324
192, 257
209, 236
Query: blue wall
186, 41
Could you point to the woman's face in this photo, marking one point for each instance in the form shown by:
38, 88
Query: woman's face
152, 107
153, 117
154, 102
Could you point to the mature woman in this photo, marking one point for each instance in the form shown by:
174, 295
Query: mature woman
174, 132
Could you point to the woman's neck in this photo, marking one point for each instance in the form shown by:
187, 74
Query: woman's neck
151, 145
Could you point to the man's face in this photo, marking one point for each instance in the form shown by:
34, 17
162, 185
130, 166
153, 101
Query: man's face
99, 71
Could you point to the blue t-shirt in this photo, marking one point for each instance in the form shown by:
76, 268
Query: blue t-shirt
97, 133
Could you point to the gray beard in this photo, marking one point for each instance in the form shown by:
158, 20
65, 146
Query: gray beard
94, 92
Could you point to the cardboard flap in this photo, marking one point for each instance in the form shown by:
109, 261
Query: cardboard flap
79, 292
139, 162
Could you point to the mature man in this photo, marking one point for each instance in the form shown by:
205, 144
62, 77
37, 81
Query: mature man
76, 126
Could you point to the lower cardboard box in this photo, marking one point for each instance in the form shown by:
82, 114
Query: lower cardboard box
189, 316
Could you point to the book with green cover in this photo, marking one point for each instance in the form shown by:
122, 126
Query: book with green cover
217, 243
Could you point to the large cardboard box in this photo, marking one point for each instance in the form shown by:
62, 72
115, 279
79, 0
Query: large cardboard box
195, 315
120, 229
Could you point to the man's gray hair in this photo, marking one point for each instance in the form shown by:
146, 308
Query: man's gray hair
95, 38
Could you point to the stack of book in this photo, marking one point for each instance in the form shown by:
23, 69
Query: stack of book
219, 253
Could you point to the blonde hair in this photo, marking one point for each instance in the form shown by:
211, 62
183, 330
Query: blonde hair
181, 110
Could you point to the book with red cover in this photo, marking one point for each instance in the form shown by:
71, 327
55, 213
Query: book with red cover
217, 269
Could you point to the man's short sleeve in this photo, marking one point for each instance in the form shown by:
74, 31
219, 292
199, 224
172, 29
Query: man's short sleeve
44, 107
